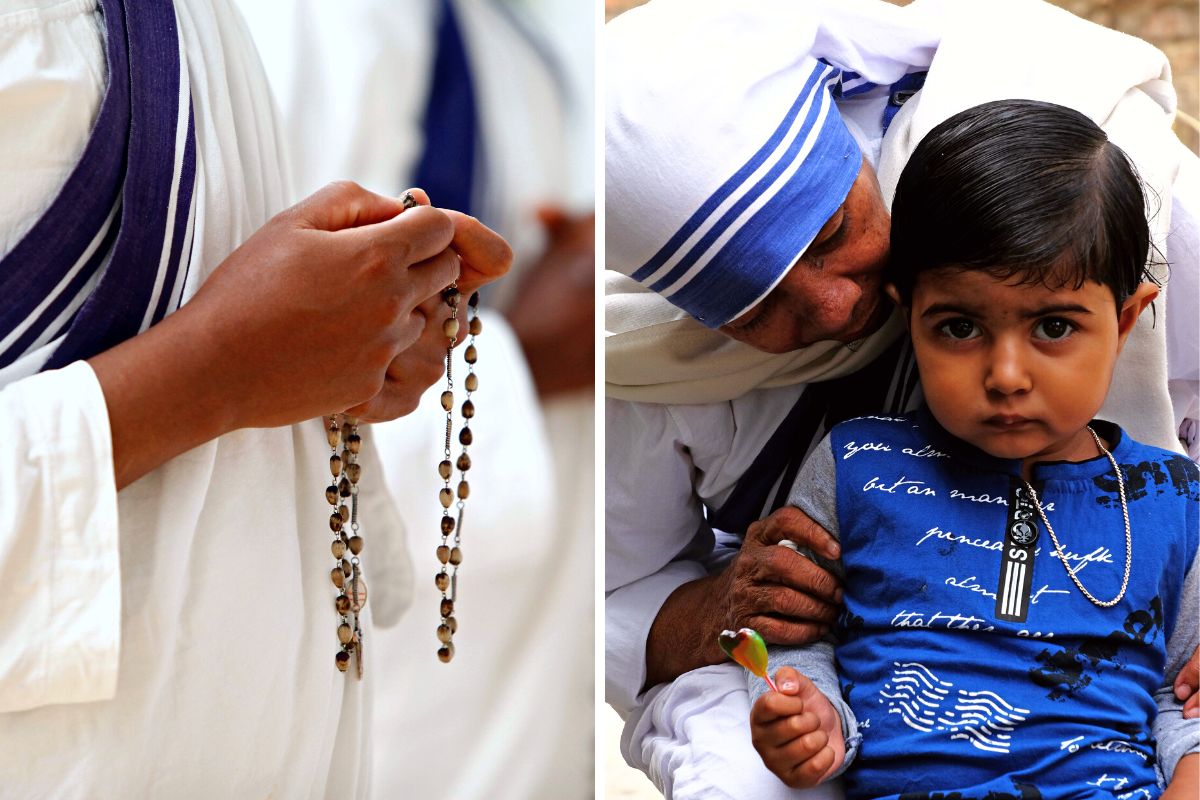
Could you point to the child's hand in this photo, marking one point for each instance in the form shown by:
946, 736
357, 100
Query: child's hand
797, 732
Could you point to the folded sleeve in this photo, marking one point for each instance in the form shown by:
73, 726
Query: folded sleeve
60, 587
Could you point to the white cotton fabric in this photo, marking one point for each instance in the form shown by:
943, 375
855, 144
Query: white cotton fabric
174, 639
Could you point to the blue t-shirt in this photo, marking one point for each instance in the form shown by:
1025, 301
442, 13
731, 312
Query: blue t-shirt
974, 666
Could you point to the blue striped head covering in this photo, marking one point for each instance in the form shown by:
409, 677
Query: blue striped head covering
724, 152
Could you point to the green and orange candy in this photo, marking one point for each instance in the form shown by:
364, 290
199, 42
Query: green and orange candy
747, 648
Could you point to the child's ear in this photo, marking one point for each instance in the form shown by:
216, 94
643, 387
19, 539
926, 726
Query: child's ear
1132, 308
891, 291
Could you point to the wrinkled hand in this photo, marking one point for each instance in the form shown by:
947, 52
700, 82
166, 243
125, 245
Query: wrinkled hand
1187, 682
797, 732
781, 594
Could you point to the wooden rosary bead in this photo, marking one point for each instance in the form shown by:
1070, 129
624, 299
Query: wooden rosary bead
441, 581
472, 382
347, 429
342, 604
456, 556
447, 400
444, 470
344, 487
447, 526
346, 455
346, 568
444, 633
353, 472
335, 521
464, 462
354, 443
338, 548
345, 633
443, 553
447, 607
333, 435
464, 490
446, 653
453, 623
476, 326
338, 577
356, 545
450, 328
331, 494
465, 437
470, 355
335, 465
473, 302
468, 409
344, 513
451, 295
342, 659
446, 497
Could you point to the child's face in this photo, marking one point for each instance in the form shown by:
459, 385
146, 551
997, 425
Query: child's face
1018, 371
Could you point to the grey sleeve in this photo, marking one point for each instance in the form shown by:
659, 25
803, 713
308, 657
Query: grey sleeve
815, 493
1176, 736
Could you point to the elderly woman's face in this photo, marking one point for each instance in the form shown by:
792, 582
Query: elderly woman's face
834, 290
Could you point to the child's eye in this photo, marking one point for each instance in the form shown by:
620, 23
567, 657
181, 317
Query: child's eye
1053, 329
959, 329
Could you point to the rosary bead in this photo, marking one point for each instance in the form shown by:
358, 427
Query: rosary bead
344, 487
451, 295
352, 421
450, 328
447, 607
443, 553
333, 435
347, 429
335, 465
338, 577
472, 382
470, 355
331, 494
335, 522
344, 513
342, 604
342, 660
338, 547
346, 568
447, 525
444, 470
441, 581
474, 301
447, 400
446, 653
354, 471
464, 462
346, 455
344, 537
453, 623
464, 490
356, 545
446, 497
465, 437
468, 409
354, 443
476, 326
444, 633
456, 556
345, 633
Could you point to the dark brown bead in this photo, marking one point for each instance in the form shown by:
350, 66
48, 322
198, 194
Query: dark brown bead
447, 606
444, 633
468, 409
344, 487
464, 463
464, 490
451, 295
335, 465
472, 382
338, 548
354, 472
444, 470
476, 326
356, 544
447, 400
333, 435
346, 455
453, 623
331, 494
347, 429
342, 659
338, 578
344, 513
447, 526
346, 568
342, 604
354, 443
446, 497
474, 301
445, 653
456, 556
441, 581
344, 537
335, 521
345, 633
443, 553
470, 355
465, 437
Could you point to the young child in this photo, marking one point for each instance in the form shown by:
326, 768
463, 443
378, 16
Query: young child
1019, 577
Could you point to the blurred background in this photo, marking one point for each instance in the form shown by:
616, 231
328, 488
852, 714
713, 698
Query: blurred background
1171, 25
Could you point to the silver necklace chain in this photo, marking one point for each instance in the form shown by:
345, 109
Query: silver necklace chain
1124, 513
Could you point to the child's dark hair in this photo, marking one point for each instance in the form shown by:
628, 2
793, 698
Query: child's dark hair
1021, 189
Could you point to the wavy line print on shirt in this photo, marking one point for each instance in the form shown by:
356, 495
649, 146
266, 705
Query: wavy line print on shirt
1181, 473
1064, 671
1023, 791
985, 719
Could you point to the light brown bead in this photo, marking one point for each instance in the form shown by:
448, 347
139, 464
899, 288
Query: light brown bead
344, 513
464, 462
352, 421
446, 497
356, 545
335, 465
447, 400
335, 522
476, 326
456, 556
338, 577
345, 633
450, 328
344, 487
342, 604
444, 470
453, 623
441, 581
472, 382
331, 494
464, 490
468, 409
443, 553
354, 472
446, 653
346, 455
333, 435
447, 606
347, 429
465, 437
338, 548
354, 442
470, 355
342, 659
447, 525
444, 633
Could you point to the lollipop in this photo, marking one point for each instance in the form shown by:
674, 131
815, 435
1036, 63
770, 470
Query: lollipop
747, 648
